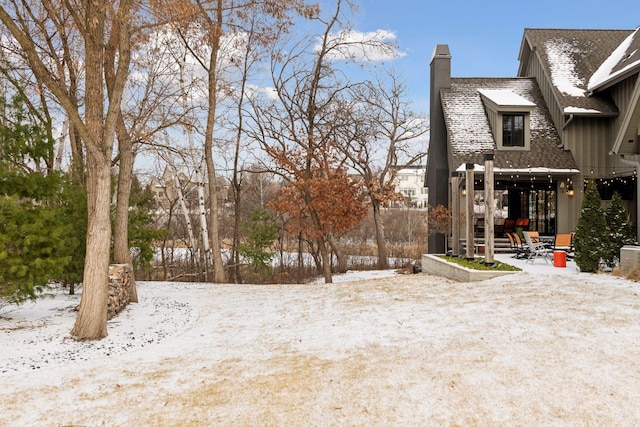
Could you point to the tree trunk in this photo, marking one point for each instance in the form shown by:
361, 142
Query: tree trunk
235, 256
204, 229
381, 241
326, 261
91, 322
187, 218
214, 239
121, 250
341, 258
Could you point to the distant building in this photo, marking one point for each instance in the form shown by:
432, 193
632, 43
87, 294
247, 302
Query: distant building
166, 192
410, 182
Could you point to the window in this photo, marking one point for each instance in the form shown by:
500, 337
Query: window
513, 130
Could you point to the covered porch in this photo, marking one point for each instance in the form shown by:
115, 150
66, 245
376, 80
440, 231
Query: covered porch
535, 199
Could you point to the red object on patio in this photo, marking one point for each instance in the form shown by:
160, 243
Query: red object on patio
559, 259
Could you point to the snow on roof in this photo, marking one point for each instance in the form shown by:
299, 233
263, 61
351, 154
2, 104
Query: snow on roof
607, 70
580, 110
564, 76
470, 135
536, 170
503, 97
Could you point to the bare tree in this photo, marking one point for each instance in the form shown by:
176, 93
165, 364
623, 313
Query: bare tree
311, 90
382, 134
219, 19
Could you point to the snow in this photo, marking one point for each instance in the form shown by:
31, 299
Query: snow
547, 346
561, 53
605, 72
580, 110
535, 170
503, 97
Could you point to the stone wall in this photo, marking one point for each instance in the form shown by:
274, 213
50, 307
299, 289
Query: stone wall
119, 288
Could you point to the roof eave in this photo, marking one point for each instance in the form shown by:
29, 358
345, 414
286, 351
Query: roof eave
594, 114
537, 171
613, 80
523, 59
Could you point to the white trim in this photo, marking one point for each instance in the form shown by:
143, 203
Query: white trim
538, 170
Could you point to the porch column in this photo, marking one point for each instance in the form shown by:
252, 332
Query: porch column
488, 209
455, 214
470, 199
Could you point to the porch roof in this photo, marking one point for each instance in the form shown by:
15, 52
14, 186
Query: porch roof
479, 168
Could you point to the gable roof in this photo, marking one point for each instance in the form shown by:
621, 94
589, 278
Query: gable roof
469, 131
571, 58
625, 59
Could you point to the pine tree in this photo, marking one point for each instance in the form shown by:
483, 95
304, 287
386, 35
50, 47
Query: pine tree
36, 242
261, 231
73, 205
142, 230
591, 241
35, 247
619, 228
37, 239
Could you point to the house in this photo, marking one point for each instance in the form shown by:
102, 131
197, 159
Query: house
571, 114
409, 181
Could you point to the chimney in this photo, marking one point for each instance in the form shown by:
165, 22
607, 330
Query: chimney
437, 160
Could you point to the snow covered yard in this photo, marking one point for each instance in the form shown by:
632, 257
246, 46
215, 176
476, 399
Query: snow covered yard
528, 349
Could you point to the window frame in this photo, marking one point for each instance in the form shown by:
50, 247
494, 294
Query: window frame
516, 137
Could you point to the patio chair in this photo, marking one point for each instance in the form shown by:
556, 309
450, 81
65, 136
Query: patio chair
522, 223
535, 237
536, 249
509, 226
518, 250
564, 242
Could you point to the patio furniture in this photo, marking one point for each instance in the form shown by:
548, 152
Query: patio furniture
509, 226
564, 242
522, 223
516, 246
537, 249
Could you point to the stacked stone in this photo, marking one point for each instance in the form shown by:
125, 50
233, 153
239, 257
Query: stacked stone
119, 288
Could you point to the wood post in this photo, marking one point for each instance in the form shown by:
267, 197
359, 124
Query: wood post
469, 183
455, 214
488, 209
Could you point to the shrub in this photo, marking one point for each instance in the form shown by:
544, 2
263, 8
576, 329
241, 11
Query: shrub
591, 241
619, 228
261, 231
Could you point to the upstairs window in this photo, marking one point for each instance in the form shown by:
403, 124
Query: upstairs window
513, 130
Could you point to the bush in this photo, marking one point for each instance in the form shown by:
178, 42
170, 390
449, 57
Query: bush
37, 236
261, 231
619, 228
35, 247
591, 241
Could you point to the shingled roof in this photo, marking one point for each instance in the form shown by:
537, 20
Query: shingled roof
622, 61
470, 135
571, 58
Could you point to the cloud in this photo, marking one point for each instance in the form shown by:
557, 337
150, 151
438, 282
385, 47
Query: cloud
271, 93
373, 46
